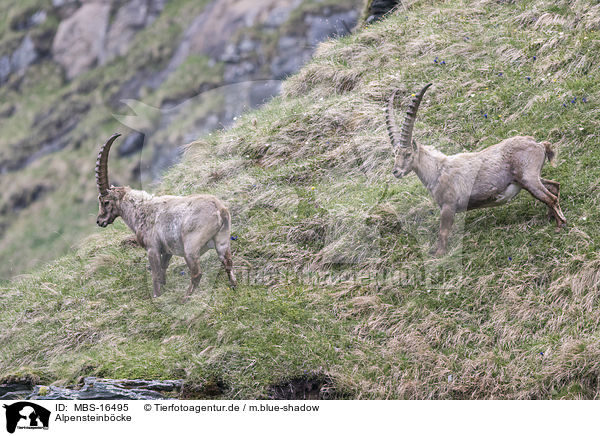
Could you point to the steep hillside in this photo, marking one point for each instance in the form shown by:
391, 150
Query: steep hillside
338, 295
162, 72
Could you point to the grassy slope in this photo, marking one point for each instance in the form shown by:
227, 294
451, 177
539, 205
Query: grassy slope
510, 312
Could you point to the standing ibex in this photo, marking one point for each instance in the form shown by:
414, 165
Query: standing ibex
465, 181
167, 225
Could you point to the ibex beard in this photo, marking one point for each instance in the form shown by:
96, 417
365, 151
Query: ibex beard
167, 225
465, 181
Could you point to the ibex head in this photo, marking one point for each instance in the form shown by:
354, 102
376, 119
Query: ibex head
405, 148
108, 198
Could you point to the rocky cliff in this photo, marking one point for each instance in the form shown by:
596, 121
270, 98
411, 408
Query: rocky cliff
161, 72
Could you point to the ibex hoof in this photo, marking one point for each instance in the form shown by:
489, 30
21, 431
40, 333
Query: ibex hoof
437, 252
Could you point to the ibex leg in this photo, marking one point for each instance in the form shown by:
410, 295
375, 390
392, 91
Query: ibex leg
224, 253
554, 188
446, 221
193, 263
164, 264
542, 193
157, 272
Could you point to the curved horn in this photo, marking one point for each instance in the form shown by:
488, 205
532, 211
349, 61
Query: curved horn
409, 121
390, 121
102, 165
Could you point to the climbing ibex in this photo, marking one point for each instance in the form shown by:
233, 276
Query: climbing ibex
167, 225
465, 181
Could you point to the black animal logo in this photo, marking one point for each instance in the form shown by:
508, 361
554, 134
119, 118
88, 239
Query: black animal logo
27, 415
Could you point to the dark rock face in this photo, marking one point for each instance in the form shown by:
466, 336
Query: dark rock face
105, 389
132, 144
15, 390
378, 8
293, 51
49, 136
20, 200
108, 389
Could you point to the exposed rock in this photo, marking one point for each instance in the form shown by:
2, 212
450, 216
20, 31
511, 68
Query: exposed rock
212, 30
28, 20
106, 389
130, 19
4, 68
24, 56
132, 144
280, 14
79, 39
156, 6
375, 9
238, 71
322, 27
61, 3
50, 134
226, 31
18, 201
293, 51
263, 91
15, 387
130, 88
17, 62
15, 391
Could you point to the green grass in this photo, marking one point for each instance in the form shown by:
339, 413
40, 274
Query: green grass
333, 250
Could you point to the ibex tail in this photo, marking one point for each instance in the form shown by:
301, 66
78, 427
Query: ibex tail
549, 152
226, 219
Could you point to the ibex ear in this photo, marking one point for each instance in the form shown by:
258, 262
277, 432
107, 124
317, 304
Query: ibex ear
415, 147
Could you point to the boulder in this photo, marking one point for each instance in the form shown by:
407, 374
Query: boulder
79, 39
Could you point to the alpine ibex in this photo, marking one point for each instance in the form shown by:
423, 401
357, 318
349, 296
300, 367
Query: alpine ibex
167, 225
465, 181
